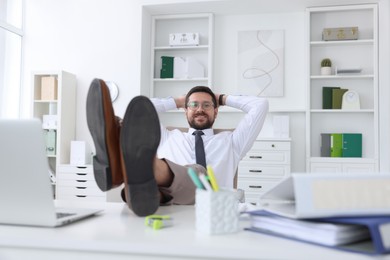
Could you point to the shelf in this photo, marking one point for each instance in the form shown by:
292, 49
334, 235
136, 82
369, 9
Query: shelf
177, 80
341, 160
341, 43
174, 48
354, 76
45, 101
341, 111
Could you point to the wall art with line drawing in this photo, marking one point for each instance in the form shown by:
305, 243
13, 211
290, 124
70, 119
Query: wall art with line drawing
261, 63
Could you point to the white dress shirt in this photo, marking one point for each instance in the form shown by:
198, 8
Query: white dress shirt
223, 150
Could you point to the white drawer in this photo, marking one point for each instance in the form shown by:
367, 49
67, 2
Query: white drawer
78, 183
75, 169
255, 185
78, 190
81, 197
271, 146
281, 157
251, 169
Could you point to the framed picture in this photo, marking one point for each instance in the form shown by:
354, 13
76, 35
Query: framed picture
261, 63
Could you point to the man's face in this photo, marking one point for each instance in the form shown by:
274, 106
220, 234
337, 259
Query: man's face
200, 111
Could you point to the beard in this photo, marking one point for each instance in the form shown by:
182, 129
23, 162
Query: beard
200, 126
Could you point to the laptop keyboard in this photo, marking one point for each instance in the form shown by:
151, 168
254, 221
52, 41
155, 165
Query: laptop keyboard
62, 214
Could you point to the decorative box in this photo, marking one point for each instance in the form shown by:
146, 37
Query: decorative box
340, 34
49, 88
177, 39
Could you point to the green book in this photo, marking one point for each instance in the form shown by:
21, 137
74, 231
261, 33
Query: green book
337, 97
352, 145
327, 97
166, 67
336, 145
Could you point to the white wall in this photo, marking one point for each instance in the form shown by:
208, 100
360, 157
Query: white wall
102, 38
90, 38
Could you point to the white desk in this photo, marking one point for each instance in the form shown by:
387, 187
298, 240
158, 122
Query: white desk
118, 234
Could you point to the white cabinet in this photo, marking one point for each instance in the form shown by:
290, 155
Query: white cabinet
162, 27
344, 54
54, 97
265, 165
77, 183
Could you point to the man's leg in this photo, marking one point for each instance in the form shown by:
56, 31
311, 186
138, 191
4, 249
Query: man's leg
104, 129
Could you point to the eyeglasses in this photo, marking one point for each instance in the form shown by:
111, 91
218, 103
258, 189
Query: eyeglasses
195, 105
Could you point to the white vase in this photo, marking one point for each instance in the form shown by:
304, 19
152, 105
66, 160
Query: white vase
326, 70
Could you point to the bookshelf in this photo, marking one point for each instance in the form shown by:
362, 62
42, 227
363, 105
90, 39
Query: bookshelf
162, 26
362, 53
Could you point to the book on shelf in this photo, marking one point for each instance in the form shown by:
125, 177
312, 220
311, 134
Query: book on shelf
359, 234
341, 145
327, 97
337, 97
166, 67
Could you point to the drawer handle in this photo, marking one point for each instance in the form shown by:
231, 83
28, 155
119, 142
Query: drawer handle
272, 145
255, 171
255, 186
81, 180
80, 173
82, 167
81, 188
255, 157
81, 196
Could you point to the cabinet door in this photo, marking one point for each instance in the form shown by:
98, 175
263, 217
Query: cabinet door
326, 167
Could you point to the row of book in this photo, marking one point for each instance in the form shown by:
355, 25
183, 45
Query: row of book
342, 211
180, 68
341, 145
332, 97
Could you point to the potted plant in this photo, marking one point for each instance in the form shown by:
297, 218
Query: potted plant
326, 67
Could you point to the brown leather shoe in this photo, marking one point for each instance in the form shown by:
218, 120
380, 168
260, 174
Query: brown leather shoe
105, 129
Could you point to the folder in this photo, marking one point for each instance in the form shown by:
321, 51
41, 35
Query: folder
166, 67
352, 145
336, 145
327, 97
367, 235
325, 145
50, 136
337, 98
314, 195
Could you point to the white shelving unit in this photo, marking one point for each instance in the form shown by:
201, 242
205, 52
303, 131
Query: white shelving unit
65, 109
362, 53
162, 26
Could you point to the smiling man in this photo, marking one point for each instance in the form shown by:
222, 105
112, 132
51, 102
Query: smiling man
153, 161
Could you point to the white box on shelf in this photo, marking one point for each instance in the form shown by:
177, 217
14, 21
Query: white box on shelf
178, 39
187, 67
281, 126
49, 121
79, 153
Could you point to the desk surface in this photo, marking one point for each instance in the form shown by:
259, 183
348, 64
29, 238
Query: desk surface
117, 233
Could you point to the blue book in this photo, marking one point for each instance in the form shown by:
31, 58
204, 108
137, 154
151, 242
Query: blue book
360, 234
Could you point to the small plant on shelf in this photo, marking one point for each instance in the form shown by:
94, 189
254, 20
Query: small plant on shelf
326, 67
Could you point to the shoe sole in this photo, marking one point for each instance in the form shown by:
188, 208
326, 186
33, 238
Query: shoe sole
140, 138
97, 128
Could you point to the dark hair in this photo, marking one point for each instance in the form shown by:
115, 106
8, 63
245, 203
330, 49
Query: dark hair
201, 89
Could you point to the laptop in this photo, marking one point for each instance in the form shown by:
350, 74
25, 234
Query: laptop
26, 196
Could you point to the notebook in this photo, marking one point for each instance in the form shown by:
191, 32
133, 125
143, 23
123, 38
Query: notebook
314, 195
26, 196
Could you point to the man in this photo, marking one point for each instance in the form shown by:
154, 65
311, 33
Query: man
152, 161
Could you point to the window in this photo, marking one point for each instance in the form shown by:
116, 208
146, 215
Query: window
11, 37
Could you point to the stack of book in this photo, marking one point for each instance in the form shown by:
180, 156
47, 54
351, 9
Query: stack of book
347, 212
341, 145
332, 97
